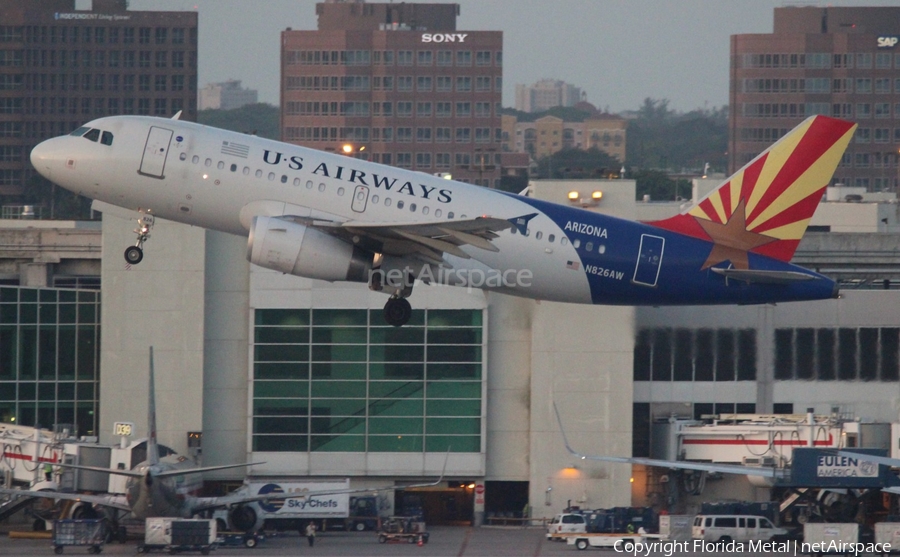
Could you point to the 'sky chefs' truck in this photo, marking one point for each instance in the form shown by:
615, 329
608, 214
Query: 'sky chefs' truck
295, 510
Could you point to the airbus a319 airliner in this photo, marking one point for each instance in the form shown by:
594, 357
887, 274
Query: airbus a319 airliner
327, 216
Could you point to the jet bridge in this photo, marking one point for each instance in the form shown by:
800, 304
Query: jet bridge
762, 439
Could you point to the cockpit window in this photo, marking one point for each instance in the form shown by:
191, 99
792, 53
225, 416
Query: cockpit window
80, 131
106, 138
93, 135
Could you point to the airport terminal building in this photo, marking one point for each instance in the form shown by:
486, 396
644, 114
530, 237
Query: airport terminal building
305, 375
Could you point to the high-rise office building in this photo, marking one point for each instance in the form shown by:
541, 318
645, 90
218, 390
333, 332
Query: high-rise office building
842, 62
396, 84
60, 67
546, 94
227, 95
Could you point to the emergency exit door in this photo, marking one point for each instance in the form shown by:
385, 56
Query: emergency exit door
650, 254
153, 163
360, 199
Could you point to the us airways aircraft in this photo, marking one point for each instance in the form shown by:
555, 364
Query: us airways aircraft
167, 485
331, 217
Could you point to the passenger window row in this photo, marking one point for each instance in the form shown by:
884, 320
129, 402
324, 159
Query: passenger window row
551, 238
374, 199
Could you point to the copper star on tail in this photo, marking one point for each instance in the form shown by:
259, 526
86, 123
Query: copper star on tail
732, 240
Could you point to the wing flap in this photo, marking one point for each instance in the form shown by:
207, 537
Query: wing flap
427, 240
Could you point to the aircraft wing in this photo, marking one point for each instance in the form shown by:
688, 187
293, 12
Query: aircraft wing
883, 460
427, 240
674, 464
208, 503
114, 501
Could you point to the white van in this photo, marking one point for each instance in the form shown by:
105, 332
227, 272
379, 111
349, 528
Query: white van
739, 528
566, 523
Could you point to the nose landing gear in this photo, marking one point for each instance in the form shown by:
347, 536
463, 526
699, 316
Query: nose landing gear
135, 254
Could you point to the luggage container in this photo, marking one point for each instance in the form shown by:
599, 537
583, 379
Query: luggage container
818, 536
888, 532
179, 534
90, 533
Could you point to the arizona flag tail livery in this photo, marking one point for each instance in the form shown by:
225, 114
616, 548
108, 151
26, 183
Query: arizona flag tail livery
766, 206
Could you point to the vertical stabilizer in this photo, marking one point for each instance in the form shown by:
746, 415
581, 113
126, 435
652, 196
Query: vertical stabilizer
152, 447
766, 206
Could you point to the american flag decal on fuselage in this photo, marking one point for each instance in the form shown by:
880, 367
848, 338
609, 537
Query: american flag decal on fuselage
235, 149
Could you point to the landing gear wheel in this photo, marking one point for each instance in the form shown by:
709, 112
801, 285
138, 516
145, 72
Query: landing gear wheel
134, 255
250, 542
397, 312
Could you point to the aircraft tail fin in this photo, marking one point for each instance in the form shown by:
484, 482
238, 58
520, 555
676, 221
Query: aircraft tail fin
774, 196
152, 445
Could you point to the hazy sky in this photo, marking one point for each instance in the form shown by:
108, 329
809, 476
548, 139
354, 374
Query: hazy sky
618, 51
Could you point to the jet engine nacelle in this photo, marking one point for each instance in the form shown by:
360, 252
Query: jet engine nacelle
297, 249
245, 518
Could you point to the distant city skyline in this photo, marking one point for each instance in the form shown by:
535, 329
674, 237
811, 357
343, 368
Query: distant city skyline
618, 52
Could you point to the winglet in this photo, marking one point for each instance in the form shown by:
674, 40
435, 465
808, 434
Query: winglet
563, 431
521, 223
177, 116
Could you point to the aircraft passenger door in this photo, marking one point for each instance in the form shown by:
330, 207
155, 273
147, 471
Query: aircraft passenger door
360, 199
153, 163
649, 259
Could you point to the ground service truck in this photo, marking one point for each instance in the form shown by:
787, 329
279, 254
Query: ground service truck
291, 513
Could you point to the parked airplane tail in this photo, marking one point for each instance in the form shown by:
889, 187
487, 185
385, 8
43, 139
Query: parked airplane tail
152, 445
766, 206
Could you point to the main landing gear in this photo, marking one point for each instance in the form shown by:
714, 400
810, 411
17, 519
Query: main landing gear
397, 310
135, 254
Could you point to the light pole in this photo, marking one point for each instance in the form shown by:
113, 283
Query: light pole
351, 150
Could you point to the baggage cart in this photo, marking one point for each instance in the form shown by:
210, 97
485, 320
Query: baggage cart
90, 533
235, 539
179, 534
407, 529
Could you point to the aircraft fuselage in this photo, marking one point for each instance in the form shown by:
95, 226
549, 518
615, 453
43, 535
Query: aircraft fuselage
220, 180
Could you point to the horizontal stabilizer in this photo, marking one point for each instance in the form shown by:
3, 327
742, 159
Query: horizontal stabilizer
114, 471
186, 471
763, 277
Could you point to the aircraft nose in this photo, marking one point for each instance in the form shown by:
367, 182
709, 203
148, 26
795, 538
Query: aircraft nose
42, 158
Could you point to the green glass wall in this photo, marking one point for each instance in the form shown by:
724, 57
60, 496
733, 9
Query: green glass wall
50, 357
343, 380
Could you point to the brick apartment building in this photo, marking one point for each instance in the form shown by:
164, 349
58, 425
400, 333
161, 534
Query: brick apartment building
397, 84
842, 62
